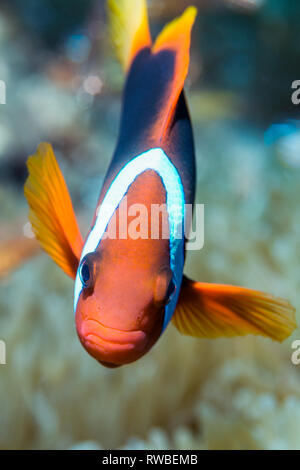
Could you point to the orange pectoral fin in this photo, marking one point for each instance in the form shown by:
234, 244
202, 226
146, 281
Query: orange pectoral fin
214, 310
51, 212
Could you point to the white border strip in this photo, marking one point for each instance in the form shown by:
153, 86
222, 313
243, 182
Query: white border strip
157, 160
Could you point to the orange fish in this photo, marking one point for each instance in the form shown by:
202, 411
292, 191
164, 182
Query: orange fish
128, 288
14, 252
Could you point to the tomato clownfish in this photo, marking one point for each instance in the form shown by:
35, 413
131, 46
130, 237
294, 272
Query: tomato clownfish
127, 289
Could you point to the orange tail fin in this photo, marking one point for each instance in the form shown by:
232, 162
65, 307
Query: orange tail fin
157, 77
129, 29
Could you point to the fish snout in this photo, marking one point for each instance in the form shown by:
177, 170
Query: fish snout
110, 346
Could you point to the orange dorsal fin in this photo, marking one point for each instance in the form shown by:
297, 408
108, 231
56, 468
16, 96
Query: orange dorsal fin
129, 28
176, 37
213, 310
51, 212
155, 73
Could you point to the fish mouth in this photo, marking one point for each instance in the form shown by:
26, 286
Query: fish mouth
110, 346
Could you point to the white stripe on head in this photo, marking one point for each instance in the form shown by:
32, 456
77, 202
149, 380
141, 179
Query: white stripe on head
157, 160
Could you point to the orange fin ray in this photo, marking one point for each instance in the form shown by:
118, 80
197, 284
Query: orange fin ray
50, 210
214, 310
176, 37
129, 29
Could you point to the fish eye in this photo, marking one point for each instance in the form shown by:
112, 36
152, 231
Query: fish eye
171, 290
85, 273
86, 270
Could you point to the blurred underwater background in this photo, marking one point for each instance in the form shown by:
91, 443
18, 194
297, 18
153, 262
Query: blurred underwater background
63, 85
